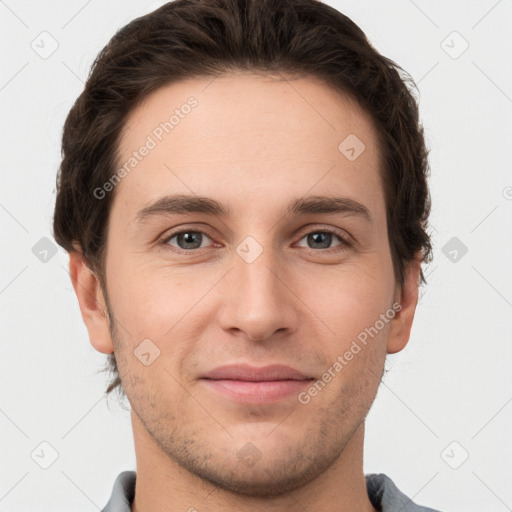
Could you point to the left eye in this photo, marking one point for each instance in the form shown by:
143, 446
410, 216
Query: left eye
323, 239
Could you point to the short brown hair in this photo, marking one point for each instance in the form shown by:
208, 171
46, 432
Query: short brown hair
184, 39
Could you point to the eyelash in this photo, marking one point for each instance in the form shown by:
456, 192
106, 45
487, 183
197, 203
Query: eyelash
344, 243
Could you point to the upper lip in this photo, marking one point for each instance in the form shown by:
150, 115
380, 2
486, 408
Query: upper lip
255, 374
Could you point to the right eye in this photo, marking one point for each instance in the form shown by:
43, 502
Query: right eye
187, 239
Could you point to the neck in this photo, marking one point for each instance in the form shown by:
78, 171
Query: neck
163, 486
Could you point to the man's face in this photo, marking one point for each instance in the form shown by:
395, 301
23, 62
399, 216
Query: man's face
259, 286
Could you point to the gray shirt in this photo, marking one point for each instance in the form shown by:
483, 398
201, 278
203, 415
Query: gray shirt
382, 492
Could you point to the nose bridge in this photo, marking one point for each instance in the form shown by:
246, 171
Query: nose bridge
256, 300
256, 266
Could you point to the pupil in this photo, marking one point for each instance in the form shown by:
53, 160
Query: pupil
188, 237
315, 238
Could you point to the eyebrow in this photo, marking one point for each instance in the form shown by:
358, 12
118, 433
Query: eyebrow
183, 204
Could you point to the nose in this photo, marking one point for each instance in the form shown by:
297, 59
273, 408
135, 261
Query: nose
258, 299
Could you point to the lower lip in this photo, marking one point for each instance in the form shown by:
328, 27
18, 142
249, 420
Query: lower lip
250, 391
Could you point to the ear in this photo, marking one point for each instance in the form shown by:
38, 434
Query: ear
91, 301
407, 297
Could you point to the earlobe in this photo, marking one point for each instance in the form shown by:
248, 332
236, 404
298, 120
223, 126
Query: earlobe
401, 324
91, 302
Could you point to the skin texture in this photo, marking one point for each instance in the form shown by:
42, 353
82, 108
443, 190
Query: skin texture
253, 143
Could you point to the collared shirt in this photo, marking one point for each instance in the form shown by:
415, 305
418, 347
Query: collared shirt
383, 494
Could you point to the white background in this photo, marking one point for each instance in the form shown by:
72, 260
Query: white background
452, 383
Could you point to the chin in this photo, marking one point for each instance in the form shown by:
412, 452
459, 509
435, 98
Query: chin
256, 484
258, 477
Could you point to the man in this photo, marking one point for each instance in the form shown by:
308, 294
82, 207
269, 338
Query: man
243, 196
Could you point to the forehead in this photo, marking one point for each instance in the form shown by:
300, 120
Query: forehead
242, 136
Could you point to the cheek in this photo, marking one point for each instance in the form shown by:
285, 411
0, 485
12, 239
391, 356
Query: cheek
159, 302
350, 303
349, 297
